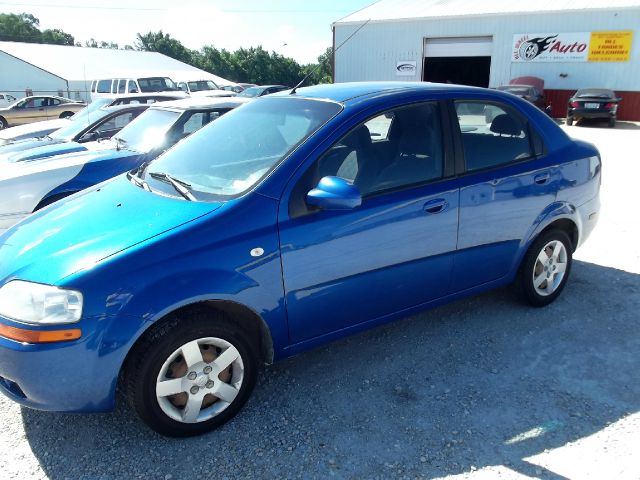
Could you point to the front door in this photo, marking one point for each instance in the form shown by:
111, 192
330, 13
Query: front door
395, 251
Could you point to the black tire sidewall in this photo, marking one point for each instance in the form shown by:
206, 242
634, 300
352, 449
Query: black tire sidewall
3, 123
526, 272
144, 397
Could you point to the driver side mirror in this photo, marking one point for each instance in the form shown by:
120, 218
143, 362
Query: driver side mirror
89, 137
334, 193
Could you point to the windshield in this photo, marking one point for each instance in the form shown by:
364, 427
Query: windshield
84, 115
229, 156
202, 85
148, 130
595, 93
515, 90
156, 84
251, 92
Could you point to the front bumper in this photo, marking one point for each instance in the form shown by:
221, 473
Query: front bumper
74, 376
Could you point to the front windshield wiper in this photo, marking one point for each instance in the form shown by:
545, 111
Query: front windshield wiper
137, 180
182, 187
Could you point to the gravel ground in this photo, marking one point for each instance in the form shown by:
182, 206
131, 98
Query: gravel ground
482, 388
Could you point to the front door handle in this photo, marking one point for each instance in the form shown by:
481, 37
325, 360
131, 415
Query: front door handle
436, 206
542, 178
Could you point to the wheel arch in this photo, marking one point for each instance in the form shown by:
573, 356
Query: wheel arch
243, 315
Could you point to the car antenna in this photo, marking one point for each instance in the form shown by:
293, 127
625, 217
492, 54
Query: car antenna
293, 91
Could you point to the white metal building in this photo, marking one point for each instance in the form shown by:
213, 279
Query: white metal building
570, 44
68, 71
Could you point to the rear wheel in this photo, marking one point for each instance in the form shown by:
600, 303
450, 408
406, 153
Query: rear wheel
612, 122
3, 123
191, 375
569, 121
545, 268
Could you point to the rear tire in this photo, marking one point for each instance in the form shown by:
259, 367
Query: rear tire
612, 123
184, 350
3, 123
545, 268
569, 121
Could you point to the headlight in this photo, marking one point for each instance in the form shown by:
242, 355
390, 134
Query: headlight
39, 304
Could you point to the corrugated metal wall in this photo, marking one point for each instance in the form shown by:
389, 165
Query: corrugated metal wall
372, 54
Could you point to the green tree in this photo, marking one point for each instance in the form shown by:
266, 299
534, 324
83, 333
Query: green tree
57, 37
163, 43
23, 27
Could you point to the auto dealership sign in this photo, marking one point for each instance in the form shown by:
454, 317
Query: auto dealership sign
572, 47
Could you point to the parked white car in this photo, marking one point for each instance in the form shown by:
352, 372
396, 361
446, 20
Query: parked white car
105, 87
6, 99
204, 88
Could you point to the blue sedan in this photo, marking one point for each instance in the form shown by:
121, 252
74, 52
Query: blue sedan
294, 220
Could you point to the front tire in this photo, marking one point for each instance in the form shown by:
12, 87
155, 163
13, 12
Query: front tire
545, 268
191, 373
66, 114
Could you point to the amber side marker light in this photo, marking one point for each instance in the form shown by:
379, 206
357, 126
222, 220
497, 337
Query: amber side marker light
39, 336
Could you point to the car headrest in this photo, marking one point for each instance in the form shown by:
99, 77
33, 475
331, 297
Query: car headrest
505, 124
418, 140
359, 138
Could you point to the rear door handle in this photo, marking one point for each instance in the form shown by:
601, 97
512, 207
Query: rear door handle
436, 206
541, 178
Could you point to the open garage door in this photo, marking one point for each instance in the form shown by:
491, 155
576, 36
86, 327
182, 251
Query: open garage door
461, 60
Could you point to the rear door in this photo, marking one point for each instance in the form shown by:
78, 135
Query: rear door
504, 186
395, 251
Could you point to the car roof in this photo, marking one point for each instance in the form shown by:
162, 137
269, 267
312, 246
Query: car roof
342, 92
174, 94
196, 103
128, 106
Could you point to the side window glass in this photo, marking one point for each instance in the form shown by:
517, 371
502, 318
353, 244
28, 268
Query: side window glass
122, 86
195, 122
132, 87
115, 123
411, 154
379, 127
104, 86
492, 135
54, 101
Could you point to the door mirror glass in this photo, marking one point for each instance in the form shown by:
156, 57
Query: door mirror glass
89, 137
334, 193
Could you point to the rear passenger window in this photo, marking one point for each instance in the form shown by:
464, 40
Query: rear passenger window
104, 86
492, 135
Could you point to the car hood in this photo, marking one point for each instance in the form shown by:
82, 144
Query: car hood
51, 149
76, 233
8, 151
10, 169
35, 128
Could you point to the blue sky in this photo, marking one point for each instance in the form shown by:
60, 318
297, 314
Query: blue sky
299, 29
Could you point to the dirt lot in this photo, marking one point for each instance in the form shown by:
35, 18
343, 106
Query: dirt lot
483, 388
